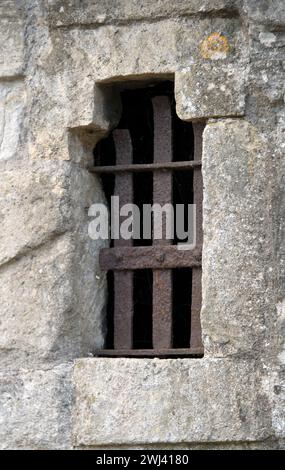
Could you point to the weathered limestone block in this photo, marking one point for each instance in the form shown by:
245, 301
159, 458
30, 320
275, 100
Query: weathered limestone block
270, 14
35, 408
46, 314
127, 52
81, 111
12, 103
265, 106
64, 13
275, 382
65, 90
276, 338
78, 107
40, 200
116, 53
52, 291
97, 112
132, 401
178, 49
278, 403
238, 303
11, 39
267, 80
210, 90
268, 444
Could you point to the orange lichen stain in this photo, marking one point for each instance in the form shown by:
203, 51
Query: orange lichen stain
215, 46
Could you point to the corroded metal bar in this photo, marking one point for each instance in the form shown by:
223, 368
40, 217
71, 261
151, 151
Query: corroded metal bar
162, 194
123, 281
143, 167
148, 257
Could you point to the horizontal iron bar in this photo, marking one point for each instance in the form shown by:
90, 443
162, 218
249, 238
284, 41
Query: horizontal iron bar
163, 166
149, 257
189, 352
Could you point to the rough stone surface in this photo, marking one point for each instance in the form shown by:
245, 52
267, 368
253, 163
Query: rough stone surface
221, 94
11, 38
62, 63
12, 102
221, 398
72, 59
64, 13
237, 252
35, 408
46, 257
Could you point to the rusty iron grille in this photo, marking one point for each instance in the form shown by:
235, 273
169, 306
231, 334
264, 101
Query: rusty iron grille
149, 281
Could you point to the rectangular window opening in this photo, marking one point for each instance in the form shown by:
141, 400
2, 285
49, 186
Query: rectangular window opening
154, 289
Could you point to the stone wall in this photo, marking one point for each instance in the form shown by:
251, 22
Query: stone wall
60, 62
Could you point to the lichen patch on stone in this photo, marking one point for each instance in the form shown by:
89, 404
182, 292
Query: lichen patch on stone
214, 47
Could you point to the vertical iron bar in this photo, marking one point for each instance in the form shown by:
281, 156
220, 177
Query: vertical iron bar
196, 303
123, 281
162, 194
